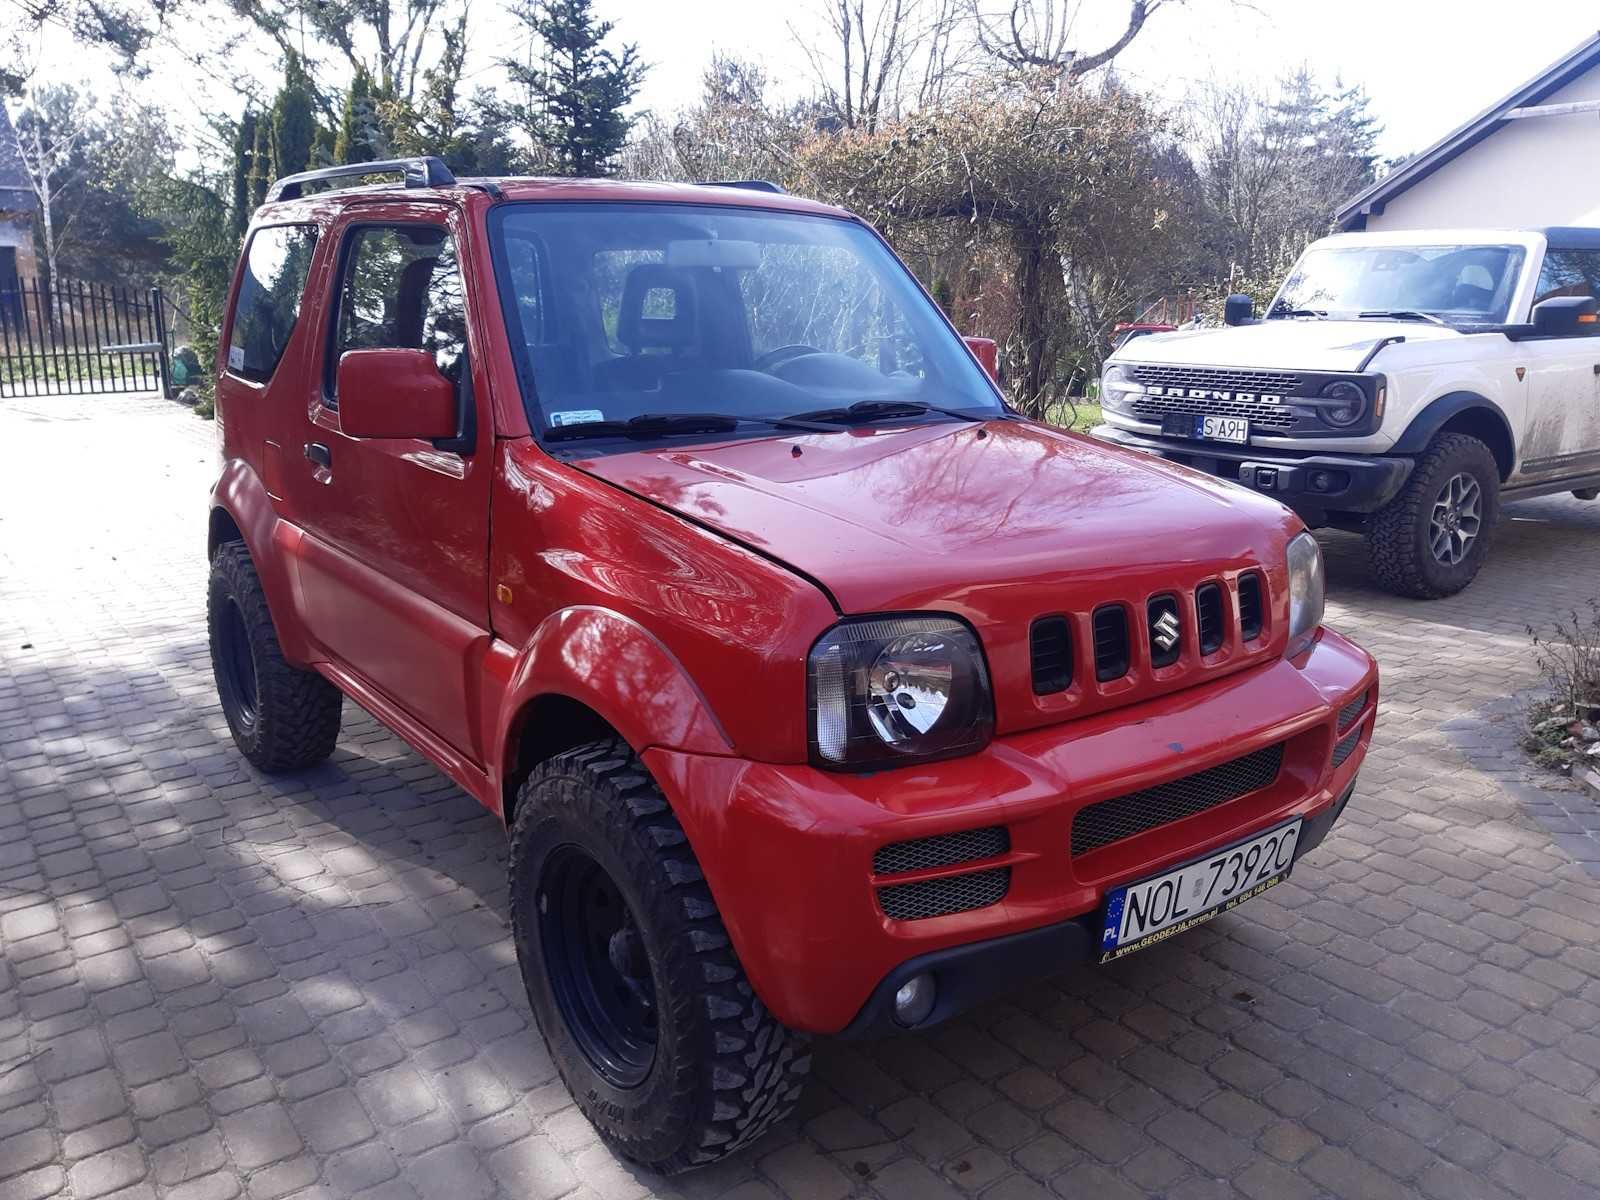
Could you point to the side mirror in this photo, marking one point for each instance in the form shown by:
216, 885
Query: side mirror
987, 352
1238, 309
1565, 316
396, 394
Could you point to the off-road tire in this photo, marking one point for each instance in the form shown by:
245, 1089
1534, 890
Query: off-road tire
294, 720
1397, 534
725, 1069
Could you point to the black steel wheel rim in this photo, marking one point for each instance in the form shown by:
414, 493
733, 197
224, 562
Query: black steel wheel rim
598, 969
236, 667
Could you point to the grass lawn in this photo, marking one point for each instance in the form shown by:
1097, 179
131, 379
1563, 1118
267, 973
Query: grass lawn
1079, 415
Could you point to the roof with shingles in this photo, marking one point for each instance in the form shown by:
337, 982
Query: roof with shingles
1352, 214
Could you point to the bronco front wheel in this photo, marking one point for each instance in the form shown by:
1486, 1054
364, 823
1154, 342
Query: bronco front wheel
1432, 539
641, 999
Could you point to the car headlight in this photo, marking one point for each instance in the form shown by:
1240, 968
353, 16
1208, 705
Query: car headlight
1347, 404
1116, 386
1307, 590
885, 691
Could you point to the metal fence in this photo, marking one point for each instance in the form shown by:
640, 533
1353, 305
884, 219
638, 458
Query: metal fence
73, 338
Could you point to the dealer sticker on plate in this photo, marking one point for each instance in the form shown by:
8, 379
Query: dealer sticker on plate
1154, 909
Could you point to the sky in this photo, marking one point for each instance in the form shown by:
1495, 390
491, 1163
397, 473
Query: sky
1428, 65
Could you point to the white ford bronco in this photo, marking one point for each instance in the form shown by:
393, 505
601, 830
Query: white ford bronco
1399, 384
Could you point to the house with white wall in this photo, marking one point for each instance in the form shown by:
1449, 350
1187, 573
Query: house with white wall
1530, 160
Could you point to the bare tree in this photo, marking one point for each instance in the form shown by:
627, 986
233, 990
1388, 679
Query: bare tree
47, 134
1044, 33
1274, 162
879, 57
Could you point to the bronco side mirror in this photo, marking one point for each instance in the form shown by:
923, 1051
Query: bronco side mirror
1565, 316
396, 393
987, 352
1238, 309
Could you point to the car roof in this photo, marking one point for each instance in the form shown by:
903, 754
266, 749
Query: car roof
591, 191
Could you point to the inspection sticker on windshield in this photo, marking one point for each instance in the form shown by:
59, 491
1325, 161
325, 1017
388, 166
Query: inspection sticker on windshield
576, 416
1152, 910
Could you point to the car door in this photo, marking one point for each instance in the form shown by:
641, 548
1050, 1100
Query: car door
394, 570
1561, 431
264, 364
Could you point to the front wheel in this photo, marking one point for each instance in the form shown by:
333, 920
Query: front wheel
641, 999
1431, 540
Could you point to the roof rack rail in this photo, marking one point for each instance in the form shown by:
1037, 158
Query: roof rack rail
424, 171
752, 185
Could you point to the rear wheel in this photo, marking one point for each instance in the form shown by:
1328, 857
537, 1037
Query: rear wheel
647, 1013
1431, 540
281, 718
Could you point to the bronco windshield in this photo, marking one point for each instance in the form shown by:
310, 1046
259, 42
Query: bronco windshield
689, 320
1464, 284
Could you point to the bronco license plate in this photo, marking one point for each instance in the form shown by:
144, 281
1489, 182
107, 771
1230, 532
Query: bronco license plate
1154, 909
1222, 429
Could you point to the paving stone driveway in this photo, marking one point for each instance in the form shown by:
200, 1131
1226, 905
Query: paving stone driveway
214, 983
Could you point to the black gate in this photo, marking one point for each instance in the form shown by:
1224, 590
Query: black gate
81, 338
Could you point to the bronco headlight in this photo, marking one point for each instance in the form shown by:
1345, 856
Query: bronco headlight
1345, 403
885, 691
1307, 589
1116, 386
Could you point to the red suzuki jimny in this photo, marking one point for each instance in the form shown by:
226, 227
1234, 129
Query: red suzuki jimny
821, 693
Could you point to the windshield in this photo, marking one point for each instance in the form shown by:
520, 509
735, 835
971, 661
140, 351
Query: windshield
640, 312
1466, 284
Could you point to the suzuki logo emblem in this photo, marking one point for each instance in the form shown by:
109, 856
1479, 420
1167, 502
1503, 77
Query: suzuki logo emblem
1164, 630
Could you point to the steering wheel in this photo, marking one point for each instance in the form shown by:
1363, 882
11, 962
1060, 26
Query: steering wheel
783, 354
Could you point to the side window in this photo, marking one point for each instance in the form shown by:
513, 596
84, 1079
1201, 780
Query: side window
1569, 273
402, 289
275, 267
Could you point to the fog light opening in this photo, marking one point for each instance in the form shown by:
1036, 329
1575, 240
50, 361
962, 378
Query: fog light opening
913, 1002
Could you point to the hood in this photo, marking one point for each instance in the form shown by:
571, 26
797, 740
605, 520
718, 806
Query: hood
993, 521
1290, 344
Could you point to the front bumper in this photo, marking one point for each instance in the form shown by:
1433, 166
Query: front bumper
788, 850
1311, 484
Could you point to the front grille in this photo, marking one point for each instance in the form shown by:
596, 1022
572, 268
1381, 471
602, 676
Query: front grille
1166, 631
941, 850
1261, 415
1050, 651
1271, 417
1352, 710
1226, 379
1250, 617
1124, 816
1111, 655
1347, 747
1208, 608
941, 897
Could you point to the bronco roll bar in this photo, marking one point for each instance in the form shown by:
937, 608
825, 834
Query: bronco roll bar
423, 171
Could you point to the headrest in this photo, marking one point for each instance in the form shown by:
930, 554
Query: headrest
635, 330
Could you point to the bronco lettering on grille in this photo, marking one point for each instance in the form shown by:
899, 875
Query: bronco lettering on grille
1181, 393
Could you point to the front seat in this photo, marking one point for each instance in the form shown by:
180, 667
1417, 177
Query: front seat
656, 343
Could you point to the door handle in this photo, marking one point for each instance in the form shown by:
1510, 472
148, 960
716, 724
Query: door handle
319, 454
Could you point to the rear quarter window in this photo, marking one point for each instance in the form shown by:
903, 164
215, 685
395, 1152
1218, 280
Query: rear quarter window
276, 263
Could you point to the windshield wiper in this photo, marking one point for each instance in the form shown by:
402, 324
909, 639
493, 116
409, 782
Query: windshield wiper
1401, 314
649, 425
863, 411
1280, 311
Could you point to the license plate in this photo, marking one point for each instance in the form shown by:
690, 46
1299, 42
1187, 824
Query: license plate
1222, 429
1154, 909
